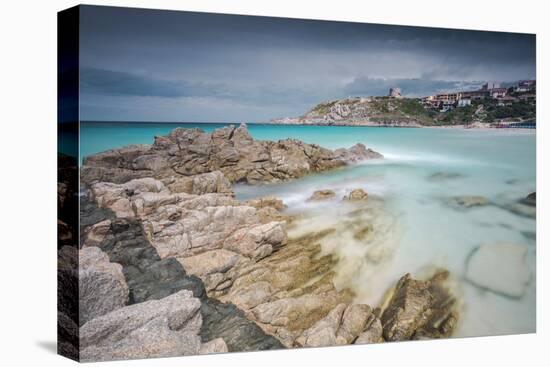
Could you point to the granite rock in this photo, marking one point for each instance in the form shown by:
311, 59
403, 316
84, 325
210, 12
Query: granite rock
102, 287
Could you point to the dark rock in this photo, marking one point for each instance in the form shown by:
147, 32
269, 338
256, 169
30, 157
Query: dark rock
530, 199
67, 257
149, 278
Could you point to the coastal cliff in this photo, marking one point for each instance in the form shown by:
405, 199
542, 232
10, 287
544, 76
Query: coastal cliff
192, 270
410, 112
365, 111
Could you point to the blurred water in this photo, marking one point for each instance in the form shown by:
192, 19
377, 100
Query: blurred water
413, 229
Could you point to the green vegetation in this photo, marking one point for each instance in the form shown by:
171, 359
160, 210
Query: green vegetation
517, 110
487, 111
323, 108
462, 115
388, 110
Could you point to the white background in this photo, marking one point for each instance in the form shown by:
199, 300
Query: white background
28, 181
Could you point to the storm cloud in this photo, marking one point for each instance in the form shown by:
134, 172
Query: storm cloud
182, 66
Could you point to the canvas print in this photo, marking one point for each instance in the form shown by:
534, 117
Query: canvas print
234, 183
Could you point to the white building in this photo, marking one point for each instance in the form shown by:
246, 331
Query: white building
463, 102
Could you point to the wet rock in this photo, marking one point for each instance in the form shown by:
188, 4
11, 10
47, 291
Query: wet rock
322, 195
159, 328
525, 207
357, 195
500, 268
419, 309
102, 287
523, 210
530, 199
468, 201
357, 153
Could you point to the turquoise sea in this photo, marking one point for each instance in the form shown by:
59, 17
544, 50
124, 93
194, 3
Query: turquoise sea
416, 230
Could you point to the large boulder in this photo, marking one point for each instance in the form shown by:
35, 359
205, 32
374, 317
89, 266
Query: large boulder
500, 268
357, 153
102, 287
229, 150
158, 328
419, 309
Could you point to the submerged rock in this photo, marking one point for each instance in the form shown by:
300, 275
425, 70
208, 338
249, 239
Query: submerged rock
525, 207
444, 176
500, 268
322, 195
419, 309
468, 201
357, 195
523, 210
357, 153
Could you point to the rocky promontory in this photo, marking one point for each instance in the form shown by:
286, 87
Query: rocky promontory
364, 111
229, 150
182, 267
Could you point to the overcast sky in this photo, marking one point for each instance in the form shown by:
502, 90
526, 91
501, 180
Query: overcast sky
148, 65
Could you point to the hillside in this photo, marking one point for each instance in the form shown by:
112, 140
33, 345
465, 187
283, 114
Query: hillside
405, 112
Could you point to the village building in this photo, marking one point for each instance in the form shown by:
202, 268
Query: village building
525, 86
506, 101
464, 102
530, 98
496, 93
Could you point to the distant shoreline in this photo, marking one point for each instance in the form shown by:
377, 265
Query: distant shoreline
471, 126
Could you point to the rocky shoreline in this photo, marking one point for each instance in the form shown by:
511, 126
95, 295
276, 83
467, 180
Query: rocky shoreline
172, 264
